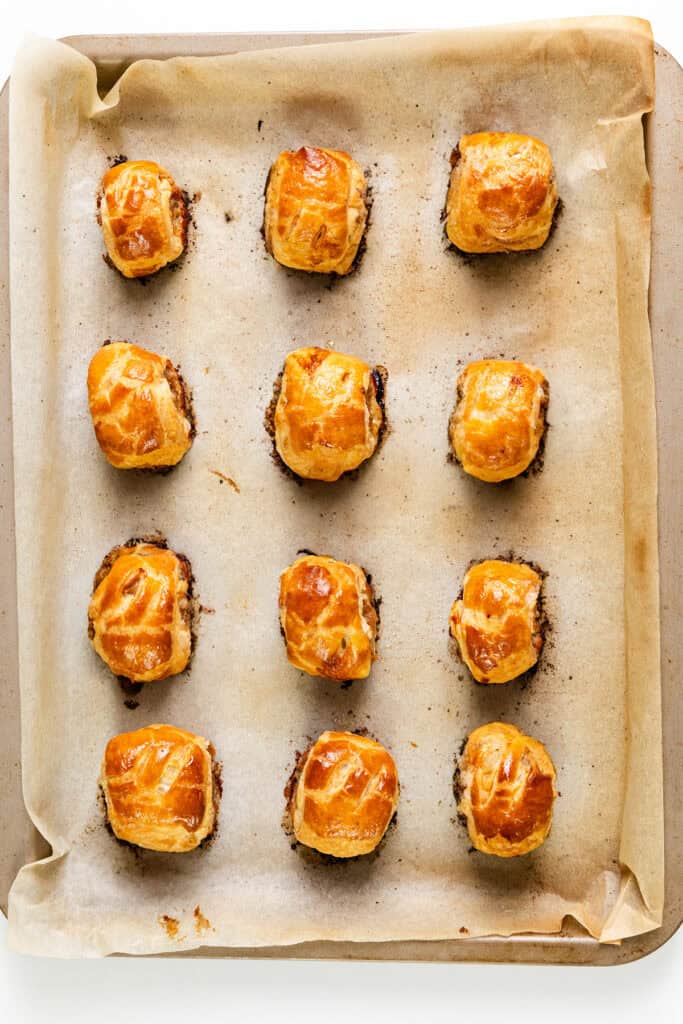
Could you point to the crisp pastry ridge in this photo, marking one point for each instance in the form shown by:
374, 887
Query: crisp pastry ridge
499, 418
328, 617
140, 613
328, 417
502, 194
144, 217
315, 210
497, 621
506, 790
159, 788
139, 406
345, 795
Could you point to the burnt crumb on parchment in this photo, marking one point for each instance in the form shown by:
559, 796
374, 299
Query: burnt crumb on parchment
379, 378
259, 125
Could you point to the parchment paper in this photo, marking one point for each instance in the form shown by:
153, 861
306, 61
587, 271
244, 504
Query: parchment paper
229, 315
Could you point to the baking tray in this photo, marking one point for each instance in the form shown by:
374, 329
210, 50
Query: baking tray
20, 843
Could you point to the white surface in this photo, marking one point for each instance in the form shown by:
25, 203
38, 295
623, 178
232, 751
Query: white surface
165, 990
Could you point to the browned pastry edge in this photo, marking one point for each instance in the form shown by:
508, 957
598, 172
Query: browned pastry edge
216, 794
536, 465
190, 612
543, 621
380, 377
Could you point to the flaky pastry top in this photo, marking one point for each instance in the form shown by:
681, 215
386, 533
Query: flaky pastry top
328, 618
139, 407
345, 796
499, 418
497, 621
158, 787
327, 419
315, 213
144, 217
507, 790
140, 613
502, 194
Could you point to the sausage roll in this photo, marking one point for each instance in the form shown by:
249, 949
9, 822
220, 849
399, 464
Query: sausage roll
328, 617
345, 796
506, 790
502, 194
144, 217
159, 788
497, 621
140, 614
328, 415
499, 418
315, 213
139, 407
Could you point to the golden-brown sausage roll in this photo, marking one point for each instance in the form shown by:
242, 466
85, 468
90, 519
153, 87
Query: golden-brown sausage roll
499, 418
140, 614
497, 622
345, 796
315, 213
502, 194
506, 790
159, 788
139, 407
328, 617
328, 415
144, 217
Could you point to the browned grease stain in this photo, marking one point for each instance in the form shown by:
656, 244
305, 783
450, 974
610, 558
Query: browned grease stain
228, 479
201, 923
647, 199
640, 554
171, 926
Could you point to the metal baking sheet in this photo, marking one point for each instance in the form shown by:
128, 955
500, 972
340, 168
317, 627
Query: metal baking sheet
21, 843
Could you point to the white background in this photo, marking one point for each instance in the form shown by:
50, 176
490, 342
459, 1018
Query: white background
166, 991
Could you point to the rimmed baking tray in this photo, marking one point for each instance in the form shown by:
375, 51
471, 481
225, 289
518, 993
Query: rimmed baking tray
20, 843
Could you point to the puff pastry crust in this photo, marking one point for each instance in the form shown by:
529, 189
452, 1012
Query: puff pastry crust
507, 790
139, 619
502, 194
139, 407
315, 213
328, 618
328, 419
144, 217
499, 418
345, 796
497, 621
159, 789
